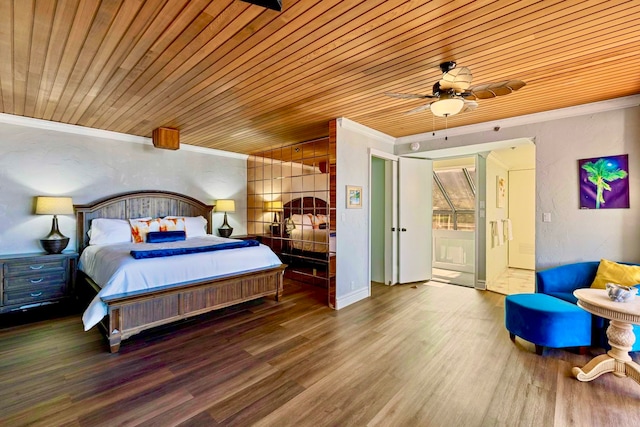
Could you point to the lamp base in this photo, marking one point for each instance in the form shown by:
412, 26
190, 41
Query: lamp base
225, 232
54, 246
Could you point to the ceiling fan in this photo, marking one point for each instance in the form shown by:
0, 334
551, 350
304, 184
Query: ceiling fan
453, 94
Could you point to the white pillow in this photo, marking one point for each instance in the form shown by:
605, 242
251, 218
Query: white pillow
301, 219
106, 231
195, 226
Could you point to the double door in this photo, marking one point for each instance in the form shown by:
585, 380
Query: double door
408, 235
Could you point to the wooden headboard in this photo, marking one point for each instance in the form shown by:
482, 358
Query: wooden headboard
305, 205
137, 204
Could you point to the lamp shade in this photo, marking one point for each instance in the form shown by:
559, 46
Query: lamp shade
226, 205
447, 107
274, 206
54, 205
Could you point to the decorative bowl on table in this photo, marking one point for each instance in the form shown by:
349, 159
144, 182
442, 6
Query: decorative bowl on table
619, 293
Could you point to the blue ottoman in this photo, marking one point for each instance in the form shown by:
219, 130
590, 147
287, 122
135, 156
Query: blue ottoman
547, 321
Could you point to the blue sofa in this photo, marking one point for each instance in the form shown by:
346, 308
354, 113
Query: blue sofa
561, 281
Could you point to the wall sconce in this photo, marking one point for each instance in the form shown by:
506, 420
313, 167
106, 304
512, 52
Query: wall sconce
275, 207
54, 242
226, 205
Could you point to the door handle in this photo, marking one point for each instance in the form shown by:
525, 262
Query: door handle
393, 229
403, 229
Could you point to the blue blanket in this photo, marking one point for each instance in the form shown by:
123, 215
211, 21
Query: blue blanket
155, 253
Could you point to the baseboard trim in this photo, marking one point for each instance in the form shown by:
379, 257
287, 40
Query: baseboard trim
352, 297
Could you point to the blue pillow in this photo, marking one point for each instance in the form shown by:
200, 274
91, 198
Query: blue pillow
165, 236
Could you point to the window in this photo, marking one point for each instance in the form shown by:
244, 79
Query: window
454, 193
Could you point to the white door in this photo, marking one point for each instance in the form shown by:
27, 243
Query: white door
391, 223
415, 218
522, 210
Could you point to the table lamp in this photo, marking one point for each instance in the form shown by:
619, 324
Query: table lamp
225, 206
54, 242
275, 207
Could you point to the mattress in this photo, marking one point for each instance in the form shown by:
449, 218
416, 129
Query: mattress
116, 272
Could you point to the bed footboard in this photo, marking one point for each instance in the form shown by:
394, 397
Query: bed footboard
129, 314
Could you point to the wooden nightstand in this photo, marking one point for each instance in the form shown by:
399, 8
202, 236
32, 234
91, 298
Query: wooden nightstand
274, 242
35, 280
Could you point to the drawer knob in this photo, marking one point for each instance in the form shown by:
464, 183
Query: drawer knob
36, 267
36, 294
34, 281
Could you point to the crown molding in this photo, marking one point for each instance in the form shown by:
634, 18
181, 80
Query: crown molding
545, 116
105, 134
345, 123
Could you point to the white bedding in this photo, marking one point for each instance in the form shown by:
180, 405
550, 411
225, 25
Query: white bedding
114, 269
312, 239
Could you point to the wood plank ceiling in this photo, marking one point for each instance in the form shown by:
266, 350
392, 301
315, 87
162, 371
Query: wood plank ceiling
238, 77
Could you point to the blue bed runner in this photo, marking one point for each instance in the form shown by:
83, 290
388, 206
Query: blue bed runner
156, 253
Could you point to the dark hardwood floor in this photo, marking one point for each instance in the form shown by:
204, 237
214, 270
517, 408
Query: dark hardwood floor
434, 355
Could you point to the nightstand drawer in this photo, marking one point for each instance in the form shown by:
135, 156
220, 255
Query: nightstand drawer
32, 280
34, 265
34, 294
46, 278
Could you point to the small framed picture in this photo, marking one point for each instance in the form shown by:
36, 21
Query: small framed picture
501, 191
354, 197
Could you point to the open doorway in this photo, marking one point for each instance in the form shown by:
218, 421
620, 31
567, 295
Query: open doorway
510, 265
454, 221
400, 219
485, 205
378, 218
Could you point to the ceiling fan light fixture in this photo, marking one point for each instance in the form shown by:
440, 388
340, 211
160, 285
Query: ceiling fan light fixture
445, 107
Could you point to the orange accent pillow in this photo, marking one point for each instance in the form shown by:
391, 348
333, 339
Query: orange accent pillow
172, 224
140, 228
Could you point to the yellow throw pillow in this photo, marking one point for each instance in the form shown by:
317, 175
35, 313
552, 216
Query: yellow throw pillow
612, 272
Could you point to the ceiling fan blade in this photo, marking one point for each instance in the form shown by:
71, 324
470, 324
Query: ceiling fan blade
469, 106
468, 96
458, 79
420, 108
516, 84
408, 95
491, 90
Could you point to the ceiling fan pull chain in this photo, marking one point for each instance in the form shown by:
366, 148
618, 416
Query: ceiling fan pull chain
446, 127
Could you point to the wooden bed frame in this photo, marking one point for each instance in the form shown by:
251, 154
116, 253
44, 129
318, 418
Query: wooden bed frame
306, 205
133, 312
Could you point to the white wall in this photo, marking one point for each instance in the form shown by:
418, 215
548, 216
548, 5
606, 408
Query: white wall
573, 234
352, 240
497, 256
39, 161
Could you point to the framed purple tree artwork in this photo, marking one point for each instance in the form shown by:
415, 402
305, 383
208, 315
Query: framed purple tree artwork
604, 182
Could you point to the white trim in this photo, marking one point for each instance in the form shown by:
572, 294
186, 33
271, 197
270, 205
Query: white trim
468, 150
578, 110
352, 298
345, 123
100, 133
382, 155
